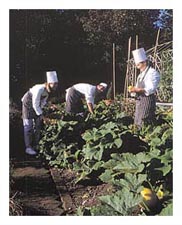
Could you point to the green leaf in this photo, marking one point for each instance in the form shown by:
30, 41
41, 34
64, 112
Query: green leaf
167, 135
77, 154
88, 136
132, 182
131, 163
167, 211
99, 153
154, 153
108, 126
165, 169
97, 136
110, 164
97, 165
106, 176
167, 156
156, 141
89, 153
116, 156
118, 142
103, 209
122, 201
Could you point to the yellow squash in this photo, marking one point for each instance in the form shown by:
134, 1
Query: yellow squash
150, 198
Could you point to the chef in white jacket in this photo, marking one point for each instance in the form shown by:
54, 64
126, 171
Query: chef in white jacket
78, 92
145, 89
32, 110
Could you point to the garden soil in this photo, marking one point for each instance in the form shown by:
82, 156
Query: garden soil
50, 191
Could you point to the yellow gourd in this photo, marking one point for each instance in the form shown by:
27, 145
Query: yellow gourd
150, 198
129, 88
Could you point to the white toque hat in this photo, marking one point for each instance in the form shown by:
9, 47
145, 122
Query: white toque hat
139, 55
103, 84
52, 77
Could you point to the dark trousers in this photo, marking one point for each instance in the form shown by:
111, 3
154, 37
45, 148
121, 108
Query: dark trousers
74, 102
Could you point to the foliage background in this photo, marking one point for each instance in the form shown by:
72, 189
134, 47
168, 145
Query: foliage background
78, 44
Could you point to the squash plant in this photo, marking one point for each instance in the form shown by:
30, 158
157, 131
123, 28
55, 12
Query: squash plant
106, 148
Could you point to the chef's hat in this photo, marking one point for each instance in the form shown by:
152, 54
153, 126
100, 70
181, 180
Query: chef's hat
139, 55
103, 84
52, 77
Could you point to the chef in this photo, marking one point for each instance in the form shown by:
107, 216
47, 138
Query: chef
79, 92
145, 89
32, 110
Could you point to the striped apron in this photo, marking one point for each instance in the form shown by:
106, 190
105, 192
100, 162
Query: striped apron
145, 106
74, 102
145, 109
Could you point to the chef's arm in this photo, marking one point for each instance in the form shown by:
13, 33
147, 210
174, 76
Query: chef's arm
90, 107
137, 90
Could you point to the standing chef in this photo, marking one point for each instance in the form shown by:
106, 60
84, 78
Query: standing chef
145, 89
32, 110
78, 92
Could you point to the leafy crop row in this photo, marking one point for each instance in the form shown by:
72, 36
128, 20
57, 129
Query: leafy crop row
108, 148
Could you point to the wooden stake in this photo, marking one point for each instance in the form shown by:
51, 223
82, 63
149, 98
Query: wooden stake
136, 41
114, 72
126, 77
135, 70
155, 50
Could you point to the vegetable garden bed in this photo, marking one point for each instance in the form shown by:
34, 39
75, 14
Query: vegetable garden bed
107, 149
74, 196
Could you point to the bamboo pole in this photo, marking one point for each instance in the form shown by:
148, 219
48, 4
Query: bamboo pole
135, 70
127, 69
136, 41
114, 72
155, 50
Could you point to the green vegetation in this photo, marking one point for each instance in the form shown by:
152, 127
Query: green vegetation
166, 82
106, 147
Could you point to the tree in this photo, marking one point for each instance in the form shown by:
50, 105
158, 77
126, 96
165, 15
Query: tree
76, 43
104, 27
165, 23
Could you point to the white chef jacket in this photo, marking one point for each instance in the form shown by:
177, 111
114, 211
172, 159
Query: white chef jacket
87, 90
148, 81
39, 97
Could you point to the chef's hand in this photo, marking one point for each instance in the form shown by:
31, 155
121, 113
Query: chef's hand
53, 106
131, 89
135, 89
